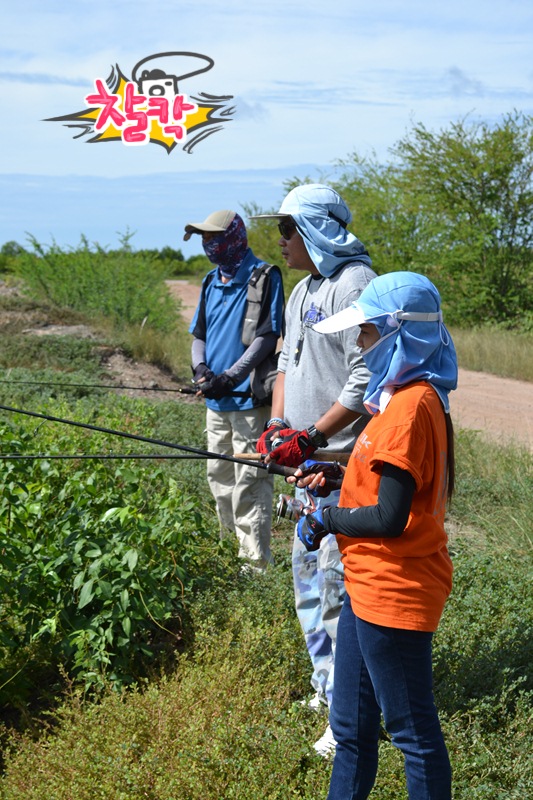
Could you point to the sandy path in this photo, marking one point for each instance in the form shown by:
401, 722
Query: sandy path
499, 407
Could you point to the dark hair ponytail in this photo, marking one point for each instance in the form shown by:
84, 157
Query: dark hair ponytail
451, 455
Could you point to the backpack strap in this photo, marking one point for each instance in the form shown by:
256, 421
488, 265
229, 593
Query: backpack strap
257, 284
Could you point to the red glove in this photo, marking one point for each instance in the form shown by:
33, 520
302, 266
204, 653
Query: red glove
271, 432
294, 448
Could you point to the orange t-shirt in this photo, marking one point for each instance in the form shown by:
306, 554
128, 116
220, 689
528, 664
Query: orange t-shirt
401, 582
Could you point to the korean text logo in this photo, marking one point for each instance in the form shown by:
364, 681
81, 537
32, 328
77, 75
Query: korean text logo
150, 108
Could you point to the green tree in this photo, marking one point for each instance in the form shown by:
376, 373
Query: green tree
198, 265
263, 238
263, 234
458, 206
9, 252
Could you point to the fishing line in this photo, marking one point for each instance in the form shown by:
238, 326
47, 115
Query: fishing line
181, 389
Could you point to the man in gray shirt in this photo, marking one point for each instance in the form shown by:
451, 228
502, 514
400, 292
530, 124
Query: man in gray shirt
318, 397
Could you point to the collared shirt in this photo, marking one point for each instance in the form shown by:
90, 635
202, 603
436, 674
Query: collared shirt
218, 320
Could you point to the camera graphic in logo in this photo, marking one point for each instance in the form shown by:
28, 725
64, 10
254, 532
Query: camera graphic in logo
156, 83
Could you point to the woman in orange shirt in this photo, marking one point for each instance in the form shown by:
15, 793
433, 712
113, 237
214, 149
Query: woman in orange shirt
390, 530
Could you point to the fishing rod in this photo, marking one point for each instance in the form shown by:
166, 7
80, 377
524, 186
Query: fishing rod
271, 467
74, 456
180, 389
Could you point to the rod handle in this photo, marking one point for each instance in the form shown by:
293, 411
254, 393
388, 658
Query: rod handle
320, 455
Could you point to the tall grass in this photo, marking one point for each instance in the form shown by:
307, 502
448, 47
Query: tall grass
495, 350
170, 350
121, 293
493, 503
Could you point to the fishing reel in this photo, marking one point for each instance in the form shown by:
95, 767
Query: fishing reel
292, 509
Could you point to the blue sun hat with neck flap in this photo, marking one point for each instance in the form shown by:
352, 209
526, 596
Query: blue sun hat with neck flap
414, 344
322, 216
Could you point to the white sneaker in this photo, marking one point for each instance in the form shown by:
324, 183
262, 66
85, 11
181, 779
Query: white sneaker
326, 744
249, 568
316, 703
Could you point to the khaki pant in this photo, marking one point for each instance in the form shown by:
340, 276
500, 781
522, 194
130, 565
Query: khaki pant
243, 494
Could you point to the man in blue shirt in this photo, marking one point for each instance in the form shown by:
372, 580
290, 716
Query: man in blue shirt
232, 340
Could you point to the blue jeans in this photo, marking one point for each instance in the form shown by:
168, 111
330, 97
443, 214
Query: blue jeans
319, 596
387, 671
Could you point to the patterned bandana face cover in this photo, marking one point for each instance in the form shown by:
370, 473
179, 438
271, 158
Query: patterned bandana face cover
228, 249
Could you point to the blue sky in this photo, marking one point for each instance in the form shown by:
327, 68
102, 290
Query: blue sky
311, 82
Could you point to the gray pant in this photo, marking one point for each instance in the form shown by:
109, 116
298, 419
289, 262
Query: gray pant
243, 494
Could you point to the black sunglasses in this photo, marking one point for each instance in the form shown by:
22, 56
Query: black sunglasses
286, 227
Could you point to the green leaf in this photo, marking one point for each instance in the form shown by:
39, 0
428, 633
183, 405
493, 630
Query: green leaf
110, 513
131, 558
106, 589
86, 594
124, 513
78, 580
124, 599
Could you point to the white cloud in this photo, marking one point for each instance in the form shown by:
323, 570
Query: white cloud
311, 81
42, 78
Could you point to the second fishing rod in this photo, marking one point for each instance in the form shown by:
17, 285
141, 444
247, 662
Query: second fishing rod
270, 467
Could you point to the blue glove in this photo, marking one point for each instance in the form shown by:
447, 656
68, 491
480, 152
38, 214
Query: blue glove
333, 474
311, 530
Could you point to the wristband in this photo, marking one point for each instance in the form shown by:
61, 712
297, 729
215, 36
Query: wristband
274, 421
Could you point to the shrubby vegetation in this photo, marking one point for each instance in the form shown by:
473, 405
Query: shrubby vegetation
98, 556
123, 286
96, 564
461, 211
136, 660
121, 292
456, 205
223, 720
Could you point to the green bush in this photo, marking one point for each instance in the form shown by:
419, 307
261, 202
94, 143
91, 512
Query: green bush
96, 559
121, 285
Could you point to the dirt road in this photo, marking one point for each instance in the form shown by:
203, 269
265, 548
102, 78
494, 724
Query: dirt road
500, 408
